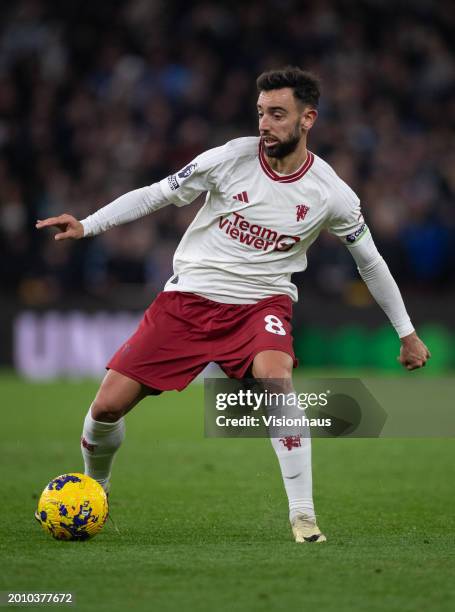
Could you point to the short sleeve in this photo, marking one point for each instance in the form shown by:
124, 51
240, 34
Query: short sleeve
200, 175
345, 215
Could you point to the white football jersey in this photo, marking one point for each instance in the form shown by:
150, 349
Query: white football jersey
256, 226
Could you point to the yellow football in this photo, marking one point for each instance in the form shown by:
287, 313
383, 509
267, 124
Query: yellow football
72, 507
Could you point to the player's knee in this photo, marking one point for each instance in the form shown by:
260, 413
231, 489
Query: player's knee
272, 365
106, 409
275, 373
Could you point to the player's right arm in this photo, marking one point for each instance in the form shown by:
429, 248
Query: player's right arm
179, 189
126, 208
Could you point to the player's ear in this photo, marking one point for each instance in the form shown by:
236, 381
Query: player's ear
308, 118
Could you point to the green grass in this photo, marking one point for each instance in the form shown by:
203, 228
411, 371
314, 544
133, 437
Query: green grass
203, 522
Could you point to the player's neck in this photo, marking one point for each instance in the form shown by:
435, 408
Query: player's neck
292, 162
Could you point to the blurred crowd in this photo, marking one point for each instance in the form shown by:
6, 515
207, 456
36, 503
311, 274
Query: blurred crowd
99, 98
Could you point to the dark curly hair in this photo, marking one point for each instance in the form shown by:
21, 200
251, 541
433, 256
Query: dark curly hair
306, 86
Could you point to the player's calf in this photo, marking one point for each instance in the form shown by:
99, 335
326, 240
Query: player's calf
104, 425
274, 370
99, 443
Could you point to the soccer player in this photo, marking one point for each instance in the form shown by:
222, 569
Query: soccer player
230, 298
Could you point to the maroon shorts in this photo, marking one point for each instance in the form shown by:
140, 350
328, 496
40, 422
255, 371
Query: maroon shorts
181, 333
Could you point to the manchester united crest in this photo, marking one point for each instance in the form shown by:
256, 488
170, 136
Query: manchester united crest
301, 211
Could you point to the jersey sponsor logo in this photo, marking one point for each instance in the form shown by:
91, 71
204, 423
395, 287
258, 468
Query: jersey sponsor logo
187, 171
173, 182
256, 236
301, 211
355, 235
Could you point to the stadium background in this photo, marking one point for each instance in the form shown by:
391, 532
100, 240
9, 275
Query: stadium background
99, 98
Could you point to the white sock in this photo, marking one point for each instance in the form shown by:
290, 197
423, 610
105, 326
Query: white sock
99, 443
293, 449
294, 456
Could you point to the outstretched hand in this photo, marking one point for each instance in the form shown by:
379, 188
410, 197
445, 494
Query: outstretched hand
68, 225
413, 353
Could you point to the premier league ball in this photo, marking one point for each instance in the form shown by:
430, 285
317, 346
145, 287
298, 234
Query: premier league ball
72, 507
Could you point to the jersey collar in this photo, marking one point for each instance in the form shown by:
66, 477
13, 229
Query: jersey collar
287, 178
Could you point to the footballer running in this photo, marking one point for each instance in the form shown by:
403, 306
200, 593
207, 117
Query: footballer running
230, 298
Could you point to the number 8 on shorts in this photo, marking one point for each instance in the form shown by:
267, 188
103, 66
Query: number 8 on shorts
274, 325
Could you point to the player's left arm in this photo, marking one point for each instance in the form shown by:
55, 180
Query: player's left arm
345, 220
382, 286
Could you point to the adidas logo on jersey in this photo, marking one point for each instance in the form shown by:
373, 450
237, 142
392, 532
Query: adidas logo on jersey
242, 197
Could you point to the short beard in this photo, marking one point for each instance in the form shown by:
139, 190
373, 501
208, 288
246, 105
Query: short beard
282, 149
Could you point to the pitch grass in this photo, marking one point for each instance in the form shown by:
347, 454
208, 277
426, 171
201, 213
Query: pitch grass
203, 523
